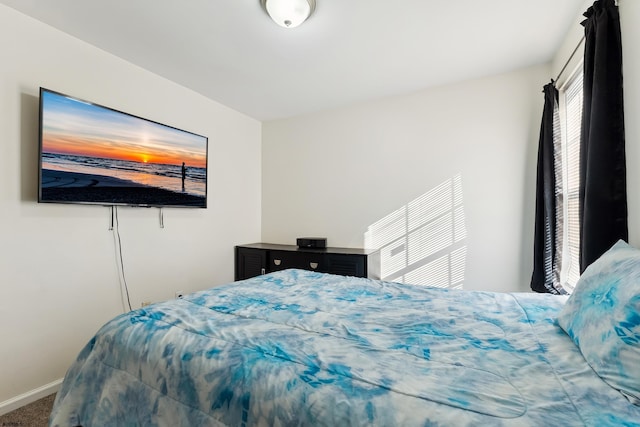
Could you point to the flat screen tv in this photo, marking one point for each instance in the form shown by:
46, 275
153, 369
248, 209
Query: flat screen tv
92, 154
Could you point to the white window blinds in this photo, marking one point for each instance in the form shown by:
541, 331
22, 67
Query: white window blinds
572, 105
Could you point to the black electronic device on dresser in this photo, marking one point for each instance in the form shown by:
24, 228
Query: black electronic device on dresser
261, 258
312, 242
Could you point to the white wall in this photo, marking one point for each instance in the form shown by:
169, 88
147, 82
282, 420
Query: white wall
629, 19
58, 276
333, 174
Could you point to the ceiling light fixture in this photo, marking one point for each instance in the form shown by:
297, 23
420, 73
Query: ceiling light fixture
288, 13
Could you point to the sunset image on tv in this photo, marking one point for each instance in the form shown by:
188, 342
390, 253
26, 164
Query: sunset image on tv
93, 154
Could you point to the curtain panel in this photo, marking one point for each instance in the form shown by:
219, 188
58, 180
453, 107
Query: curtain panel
603, 188
545, 268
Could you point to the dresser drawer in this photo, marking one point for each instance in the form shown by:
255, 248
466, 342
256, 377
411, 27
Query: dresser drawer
281, 260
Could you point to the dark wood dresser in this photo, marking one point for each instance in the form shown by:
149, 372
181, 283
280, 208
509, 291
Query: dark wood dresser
260, 258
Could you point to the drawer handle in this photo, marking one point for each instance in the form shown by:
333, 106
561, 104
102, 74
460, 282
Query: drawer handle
313, 265
277, 261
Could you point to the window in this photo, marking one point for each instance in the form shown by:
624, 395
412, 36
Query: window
567, 194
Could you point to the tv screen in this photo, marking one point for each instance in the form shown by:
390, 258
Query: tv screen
97, 155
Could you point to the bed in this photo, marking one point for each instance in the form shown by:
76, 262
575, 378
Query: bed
309, 349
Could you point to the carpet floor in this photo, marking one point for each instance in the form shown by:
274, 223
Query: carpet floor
35, 414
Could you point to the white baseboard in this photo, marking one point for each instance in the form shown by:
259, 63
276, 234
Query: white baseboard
29, 397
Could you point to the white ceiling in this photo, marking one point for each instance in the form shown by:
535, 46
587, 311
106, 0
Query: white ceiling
348, 51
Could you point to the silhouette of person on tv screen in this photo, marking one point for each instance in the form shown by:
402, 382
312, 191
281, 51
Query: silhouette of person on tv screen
184, 174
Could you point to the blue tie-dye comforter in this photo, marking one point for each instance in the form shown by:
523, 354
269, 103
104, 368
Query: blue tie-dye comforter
297, 348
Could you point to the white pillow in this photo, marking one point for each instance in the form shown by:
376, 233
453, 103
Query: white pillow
602, 316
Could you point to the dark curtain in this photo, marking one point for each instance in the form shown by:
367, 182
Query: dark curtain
545, 225
603, 187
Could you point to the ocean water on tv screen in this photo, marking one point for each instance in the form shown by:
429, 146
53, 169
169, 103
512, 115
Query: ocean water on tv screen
168, 177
